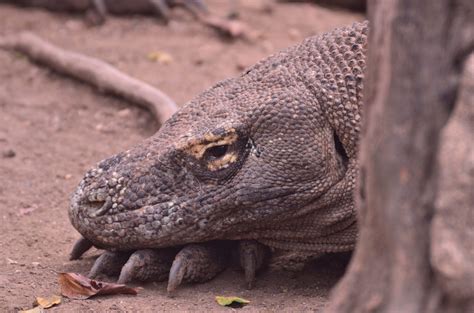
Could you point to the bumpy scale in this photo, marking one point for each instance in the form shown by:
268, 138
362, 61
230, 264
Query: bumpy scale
268, 158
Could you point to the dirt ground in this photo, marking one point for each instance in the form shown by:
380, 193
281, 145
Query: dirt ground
57, 128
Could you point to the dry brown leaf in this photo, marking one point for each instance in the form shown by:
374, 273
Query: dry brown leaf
77, 286
160, 57
48, 302
26, 211
11, 261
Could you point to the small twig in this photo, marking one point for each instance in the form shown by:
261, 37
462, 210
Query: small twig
230, 28
94, 72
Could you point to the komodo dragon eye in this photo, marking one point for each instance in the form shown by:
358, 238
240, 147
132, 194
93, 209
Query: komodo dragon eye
216, 152
221, 156
217, 157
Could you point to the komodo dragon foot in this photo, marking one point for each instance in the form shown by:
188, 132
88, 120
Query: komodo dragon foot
101, 8
193, 263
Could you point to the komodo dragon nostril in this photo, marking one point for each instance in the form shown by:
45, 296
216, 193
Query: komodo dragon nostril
98, 203
98, 208
95, 208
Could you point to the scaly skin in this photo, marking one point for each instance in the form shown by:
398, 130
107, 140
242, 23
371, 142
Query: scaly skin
268, 156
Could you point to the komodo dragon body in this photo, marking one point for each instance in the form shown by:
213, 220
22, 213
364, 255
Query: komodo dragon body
268, 158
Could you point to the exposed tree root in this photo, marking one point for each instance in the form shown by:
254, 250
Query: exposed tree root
94, 72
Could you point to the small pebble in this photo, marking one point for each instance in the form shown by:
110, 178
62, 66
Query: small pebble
294, 34
124, 113
9, 153
240, 66
199, 61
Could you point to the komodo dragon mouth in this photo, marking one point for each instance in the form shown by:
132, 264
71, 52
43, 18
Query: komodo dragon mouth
268, 156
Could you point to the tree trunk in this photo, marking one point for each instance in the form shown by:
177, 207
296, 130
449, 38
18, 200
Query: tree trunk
415, 251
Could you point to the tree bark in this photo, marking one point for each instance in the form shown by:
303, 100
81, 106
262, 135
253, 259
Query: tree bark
415, 247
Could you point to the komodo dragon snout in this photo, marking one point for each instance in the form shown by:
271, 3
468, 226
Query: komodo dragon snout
267, 156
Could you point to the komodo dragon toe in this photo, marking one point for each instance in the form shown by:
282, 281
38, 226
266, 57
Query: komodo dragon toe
197, 263
253, 256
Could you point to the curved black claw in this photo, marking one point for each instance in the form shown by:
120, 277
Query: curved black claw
252, 257
146, 265
109, 263
79, 248
197, 263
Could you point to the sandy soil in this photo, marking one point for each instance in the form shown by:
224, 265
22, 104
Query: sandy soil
57, 128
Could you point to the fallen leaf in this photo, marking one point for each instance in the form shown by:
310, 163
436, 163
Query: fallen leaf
160, 57
11, 261
234, 302
26, 210
48, 302
77, 286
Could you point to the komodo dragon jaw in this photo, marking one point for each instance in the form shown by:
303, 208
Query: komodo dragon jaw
269, 155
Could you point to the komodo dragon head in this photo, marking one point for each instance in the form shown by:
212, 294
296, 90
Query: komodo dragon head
273, 149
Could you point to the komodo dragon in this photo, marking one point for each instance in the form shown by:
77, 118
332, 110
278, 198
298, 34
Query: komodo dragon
267, 160
99, 9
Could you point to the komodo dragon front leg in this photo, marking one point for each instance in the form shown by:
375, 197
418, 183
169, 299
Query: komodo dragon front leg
267, 159
189, 264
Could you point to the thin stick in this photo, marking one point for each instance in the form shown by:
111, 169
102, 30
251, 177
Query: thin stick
94, 72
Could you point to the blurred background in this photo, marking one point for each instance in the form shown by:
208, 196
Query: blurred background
53, 128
